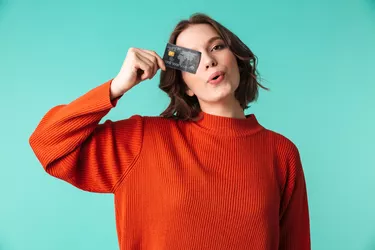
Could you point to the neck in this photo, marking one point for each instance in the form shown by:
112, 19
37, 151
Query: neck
228, 126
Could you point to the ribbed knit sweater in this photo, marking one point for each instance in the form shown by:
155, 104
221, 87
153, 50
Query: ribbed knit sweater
216, 183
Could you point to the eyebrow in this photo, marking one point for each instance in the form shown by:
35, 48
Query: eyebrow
212, 39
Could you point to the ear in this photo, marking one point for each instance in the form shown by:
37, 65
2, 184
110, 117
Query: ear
189, 92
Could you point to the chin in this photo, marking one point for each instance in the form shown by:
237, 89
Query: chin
225, 92
223, 97
220, 93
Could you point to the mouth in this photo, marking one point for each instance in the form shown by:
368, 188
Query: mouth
216, 77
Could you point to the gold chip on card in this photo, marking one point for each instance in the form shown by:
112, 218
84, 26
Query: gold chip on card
171, 53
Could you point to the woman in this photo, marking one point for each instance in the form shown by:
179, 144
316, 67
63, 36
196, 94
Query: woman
203, 175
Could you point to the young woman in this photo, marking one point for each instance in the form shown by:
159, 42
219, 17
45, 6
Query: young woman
202, 175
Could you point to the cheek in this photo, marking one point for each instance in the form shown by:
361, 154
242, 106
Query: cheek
232, 63
189, 79
192, 79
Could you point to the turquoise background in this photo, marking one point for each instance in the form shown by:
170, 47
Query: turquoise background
318, 58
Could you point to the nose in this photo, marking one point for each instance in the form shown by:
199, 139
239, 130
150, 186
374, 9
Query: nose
210, 62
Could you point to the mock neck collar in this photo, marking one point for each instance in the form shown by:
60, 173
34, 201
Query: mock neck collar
228, 126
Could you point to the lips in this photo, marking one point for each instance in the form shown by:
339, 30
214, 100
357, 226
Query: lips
215, 75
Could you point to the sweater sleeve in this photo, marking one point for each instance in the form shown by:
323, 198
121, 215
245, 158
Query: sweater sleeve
294, 211
72, 146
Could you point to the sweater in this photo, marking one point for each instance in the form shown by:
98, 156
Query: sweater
215, 183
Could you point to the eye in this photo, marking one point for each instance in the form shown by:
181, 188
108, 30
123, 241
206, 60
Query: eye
219, 46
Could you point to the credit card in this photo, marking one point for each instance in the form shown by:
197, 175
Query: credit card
181, 58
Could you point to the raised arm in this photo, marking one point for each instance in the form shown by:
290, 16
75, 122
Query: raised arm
70, 143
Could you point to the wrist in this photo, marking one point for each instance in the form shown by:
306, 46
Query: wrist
114, 93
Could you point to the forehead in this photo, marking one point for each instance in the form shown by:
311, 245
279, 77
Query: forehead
196, 36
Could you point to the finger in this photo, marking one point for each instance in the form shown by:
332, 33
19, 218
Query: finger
146, 65
152, 60
160, 61
143, 56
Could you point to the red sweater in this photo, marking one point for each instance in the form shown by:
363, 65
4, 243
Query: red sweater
216, 183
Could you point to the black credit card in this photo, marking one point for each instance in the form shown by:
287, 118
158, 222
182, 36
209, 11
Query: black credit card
181, 58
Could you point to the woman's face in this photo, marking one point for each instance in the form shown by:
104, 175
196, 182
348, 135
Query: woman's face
215, 57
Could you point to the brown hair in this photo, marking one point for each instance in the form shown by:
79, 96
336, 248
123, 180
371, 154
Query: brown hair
185, 107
